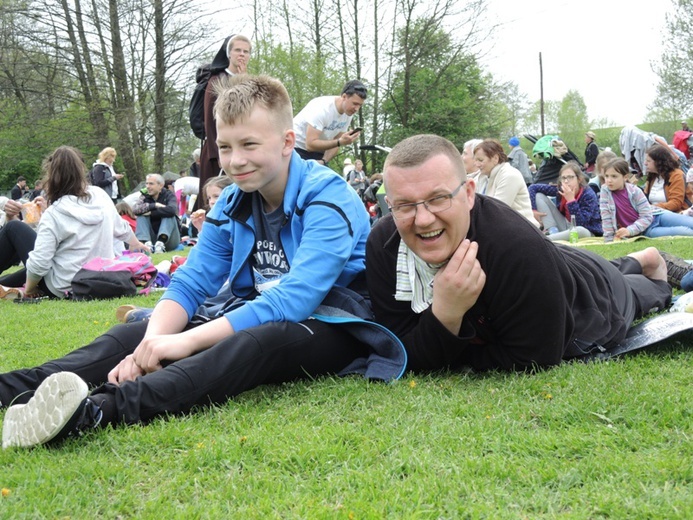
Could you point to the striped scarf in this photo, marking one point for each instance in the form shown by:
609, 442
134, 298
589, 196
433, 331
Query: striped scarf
414, 279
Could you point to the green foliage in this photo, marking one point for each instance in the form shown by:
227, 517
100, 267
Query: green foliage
304, 74
675, 88
599, 440
573, 121
438, 89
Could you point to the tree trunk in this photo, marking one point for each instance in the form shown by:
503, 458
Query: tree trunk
123, 102
160, 88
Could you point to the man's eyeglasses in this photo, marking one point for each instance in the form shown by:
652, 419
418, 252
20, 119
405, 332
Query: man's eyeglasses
434, 205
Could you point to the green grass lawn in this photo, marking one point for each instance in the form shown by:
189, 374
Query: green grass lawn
603, 440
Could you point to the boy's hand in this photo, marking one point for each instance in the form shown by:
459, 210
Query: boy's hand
126, 370
154, 349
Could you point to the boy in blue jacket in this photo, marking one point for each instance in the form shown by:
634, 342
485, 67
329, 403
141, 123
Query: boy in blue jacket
284, 235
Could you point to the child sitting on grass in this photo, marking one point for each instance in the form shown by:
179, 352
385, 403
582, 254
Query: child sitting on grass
626, 211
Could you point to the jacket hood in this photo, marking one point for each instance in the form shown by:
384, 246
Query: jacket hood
88, 211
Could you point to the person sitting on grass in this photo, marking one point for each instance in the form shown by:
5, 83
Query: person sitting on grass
626, 211
125, 212
497, 178
665, 186
157, 221
464, 280
212, 189
79, 224
282, 222
573, 198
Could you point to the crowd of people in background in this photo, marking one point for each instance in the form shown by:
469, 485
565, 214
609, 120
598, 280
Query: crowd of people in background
247, 308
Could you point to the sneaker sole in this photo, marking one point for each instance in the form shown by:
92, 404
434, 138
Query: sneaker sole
45, 416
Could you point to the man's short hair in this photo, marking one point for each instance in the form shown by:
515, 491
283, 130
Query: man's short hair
196, 154
355, 87
238, 95
417, 149
157, 177
20, 179
237, 38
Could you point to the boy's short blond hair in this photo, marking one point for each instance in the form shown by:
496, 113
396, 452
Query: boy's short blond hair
239, 94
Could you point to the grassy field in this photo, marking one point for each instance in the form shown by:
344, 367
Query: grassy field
603, 440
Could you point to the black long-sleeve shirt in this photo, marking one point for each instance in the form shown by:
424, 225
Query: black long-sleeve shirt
537, 299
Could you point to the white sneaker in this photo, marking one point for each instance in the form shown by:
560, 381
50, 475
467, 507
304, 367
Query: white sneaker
59, 408
159, 247
10, 293
149, 244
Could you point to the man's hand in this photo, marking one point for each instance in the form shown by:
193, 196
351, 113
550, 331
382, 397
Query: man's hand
457, 286
346, 139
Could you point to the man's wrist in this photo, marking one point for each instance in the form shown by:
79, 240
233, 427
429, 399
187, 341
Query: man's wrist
339, 145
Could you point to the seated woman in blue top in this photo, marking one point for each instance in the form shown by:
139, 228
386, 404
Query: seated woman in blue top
573, 197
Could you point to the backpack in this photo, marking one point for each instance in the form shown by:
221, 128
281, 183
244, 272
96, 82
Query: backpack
102, 278
196, 111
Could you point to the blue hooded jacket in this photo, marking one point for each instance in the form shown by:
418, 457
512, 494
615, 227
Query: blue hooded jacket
323, 236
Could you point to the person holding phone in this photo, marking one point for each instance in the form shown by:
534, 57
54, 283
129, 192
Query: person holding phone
321, 127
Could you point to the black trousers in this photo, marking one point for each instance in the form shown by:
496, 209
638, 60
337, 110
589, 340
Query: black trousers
270, 353
17, 240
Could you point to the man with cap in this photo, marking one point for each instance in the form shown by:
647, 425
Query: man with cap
519, 160
591, 151
321, 127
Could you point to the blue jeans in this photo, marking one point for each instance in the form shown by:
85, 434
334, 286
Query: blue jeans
168, 226
669, 224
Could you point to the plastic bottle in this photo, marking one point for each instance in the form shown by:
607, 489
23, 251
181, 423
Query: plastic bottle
573, 236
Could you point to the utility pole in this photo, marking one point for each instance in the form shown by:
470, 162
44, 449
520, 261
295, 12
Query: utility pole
541, 94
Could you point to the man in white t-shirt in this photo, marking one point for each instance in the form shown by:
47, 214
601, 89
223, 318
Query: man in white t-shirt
321, 127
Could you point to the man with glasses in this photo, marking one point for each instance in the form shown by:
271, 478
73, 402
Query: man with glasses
464, 280
321, 127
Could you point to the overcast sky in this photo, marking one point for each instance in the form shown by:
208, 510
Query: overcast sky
601, 48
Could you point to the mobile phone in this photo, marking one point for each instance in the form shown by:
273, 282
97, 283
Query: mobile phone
358, 129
